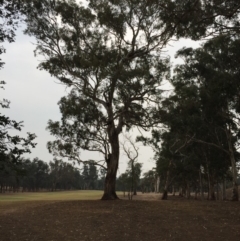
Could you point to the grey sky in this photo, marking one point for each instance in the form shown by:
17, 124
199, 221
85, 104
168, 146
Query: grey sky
34, 95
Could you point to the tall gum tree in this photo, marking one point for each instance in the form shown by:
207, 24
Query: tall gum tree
109, 52
215, 69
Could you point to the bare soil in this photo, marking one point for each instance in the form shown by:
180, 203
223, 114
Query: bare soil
145, 218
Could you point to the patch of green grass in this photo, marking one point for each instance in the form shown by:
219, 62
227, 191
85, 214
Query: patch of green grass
51, 196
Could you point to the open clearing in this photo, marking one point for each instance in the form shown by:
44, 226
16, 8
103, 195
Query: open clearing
63, 216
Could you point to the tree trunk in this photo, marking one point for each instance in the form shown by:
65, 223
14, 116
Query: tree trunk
180, 192
157, 184
224, 190
173, 190
201, 184
211, 193
235, 195
165, 190
112, 166
135, 191
188, 191
217, 191
196, 194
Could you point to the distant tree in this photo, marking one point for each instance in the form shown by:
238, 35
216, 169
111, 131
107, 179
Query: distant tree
148, 181
34, 175
123, 183
85, 174
131, 150
215, 69
199, 136
93, 175
55, 173
9, 173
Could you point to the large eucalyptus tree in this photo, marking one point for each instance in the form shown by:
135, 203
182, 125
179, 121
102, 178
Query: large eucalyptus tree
109, 53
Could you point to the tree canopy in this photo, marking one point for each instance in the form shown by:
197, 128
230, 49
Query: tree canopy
109, 53
201, 117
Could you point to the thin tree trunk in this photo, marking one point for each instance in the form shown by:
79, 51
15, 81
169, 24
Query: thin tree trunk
211, 193
188, 191
211, 190
135, 191
201, 185
158, 184
217, 191
224, 190
235, 195
180, 192
165, 190
173, 190
196, 194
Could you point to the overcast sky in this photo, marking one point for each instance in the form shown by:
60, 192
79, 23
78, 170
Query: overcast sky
34, 95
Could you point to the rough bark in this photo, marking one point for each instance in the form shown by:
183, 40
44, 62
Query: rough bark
112, 166
110, 181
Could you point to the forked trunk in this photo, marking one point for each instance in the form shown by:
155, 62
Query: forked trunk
112, 166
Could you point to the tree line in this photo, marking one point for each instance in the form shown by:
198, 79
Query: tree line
110, 55
36, 175
200, 138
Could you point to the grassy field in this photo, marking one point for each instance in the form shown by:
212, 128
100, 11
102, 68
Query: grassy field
51, 196
80, 215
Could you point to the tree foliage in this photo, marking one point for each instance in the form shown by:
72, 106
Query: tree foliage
201, 117
109, 54
14, 144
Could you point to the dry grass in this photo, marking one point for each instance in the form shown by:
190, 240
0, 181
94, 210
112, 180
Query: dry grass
50, 196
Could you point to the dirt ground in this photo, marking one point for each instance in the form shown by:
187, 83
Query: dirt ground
146, 218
